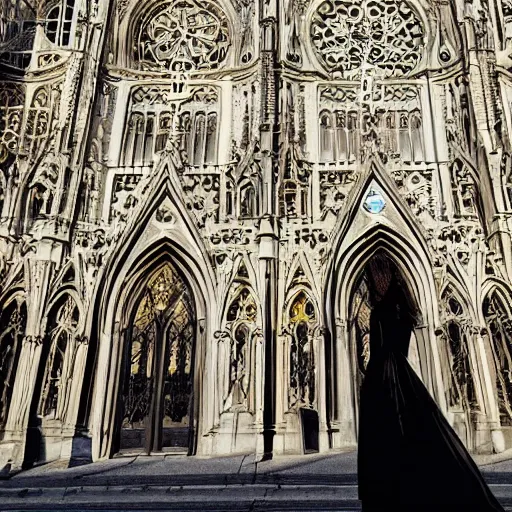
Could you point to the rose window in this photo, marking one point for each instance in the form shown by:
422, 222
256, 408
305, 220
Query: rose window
183, 35
383, 34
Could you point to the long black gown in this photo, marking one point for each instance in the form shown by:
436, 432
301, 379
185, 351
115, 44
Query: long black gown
409, 458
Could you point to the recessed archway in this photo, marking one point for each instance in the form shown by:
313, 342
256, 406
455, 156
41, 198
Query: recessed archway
155, 410
377, 277
348, 264
117, 312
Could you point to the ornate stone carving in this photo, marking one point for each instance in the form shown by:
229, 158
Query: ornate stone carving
416, 187
262, 160
202, 196
457, 241
458, 335
334, 187
295, 184
246, 10
60, 363
12, 99
241, 328
159, 113
467, 200
233, 236
91, 245
498, 317
183, 35
385, 119
123, 198
507, 15
386, 34
13, 320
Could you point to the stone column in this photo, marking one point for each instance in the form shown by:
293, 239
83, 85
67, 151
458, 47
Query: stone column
37, 283
259, 369
344, 423
319, 344
489, 436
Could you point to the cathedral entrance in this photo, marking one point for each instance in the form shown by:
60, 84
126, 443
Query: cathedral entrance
156, 403
379, 274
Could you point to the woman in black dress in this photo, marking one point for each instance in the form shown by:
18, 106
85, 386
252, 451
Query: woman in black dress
409, 458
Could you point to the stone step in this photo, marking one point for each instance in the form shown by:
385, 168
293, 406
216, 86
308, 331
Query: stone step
195, 479
232, 498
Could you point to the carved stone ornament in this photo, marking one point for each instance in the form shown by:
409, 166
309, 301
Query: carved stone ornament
348, 37
183, 35
12, 99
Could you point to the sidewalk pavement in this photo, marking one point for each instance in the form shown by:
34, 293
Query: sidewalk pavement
334, 468
317, 482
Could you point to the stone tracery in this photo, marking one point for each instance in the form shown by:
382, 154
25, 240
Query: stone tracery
61, 353
386, 34
241, 323
182, 36
498, 318
13, 321
458, 333
12, 98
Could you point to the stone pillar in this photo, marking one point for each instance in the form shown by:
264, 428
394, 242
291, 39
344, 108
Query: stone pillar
488, 436
259, 369
321, 386
344, 422
282, 382
268, 245
37, 282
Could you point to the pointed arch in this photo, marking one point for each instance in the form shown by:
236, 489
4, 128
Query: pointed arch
414, 267
497, 314
358, 236
144, 243
249, 201
13, 319
60, 349
302, 317
459, 289
241, 325
238, 279
462, 394
56, 297
126, 274
411, 260
375, 176
157, 324
300, 265
182, 239
406, 250
467, 191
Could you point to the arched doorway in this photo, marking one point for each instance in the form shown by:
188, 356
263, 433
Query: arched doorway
375, 280
13, 319
498, 315
155, 408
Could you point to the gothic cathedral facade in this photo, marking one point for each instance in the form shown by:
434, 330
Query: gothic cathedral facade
191, 190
